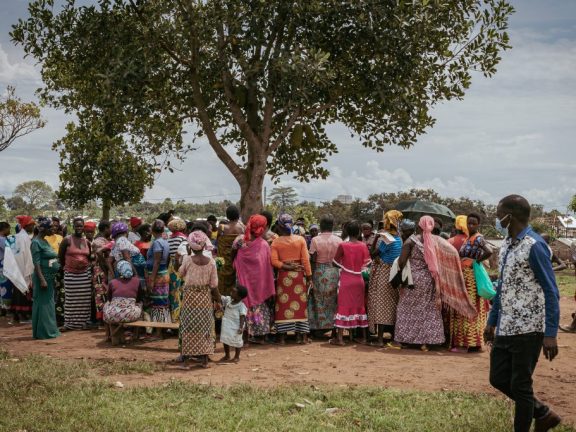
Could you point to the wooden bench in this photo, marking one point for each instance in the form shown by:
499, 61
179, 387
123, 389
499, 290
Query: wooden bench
115, 332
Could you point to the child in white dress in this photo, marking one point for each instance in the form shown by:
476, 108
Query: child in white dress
233, 322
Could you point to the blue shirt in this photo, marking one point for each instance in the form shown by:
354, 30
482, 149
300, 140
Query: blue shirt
159, 245
527, 298
389, 252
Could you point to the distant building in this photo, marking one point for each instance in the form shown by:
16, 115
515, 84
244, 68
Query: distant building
566, 226
345, 199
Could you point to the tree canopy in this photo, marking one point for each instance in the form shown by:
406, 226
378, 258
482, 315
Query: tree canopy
35, 194
260, 80
283, 197
17, 118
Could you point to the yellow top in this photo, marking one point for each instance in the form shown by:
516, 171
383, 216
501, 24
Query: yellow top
54, 241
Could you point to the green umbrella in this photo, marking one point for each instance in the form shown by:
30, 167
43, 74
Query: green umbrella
415, 209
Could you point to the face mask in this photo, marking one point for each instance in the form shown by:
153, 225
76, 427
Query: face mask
501, 229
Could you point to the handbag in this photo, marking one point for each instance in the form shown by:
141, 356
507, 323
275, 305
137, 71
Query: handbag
484, 286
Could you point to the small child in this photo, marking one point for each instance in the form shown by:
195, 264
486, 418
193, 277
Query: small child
233, 322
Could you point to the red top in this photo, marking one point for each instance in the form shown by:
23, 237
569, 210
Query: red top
77, 258
124, 288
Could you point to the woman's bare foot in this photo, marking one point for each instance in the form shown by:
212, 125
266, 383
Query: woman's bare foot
224, 359
361, 341
338, 342
236, 360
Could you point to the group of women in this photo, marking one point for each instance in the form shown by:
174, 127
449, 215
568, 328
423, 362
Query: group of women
404, 284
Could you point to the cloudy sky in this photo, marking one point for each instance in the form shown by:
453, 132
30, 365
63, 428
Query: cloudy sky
513, 133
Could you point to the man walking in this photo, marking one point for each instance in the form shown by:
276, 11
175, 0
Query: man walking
524, 317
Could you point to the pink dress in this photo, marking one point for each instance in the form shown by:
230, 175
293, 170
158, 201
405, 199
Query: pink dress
351, 312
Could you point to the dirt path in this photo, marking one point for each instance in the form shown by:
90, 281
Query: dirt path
317, 364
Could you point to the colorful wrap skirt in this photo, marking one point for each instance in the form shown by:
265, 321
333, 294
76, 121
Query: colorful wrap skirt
159, 297
468, 332
323, 299
197, 333
122, 310
291, 312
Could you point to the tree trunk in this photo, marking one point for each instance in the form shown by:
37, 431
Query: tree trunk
106, 210
251, 192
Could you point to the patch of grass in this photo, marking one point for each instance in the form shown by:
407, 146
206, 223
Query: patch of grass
114, 367
566, 282
4, 354
46, 394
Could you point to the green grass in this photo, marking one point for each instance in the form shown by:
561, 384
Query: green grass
41, 394
566, 282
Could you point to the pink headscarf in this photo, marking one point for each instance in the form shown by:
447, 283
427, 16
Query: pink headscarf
197, 241
256, 226
426, 223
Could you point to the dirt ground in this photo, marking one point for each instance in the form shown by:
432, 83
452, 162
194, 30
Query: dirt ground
315, 364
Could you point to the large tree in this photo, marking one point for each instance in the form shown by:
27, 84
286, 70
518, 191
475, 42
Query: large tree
36, 194
17, 118
283, 197
126, 131
260, 80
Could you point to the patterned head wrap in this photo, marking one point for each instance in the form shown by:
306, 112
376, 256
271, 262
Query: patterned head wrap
198, 241
285, 222
100, 244
119, 228
392, 220
124, 269
44, 222
427, 225
89, 226
462, 224
256, 226
24, 221
177, 225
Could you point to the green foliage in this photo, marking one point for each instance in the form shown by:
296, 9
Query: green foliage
284, 198
94, 163
92, 66
260, 80
34, 194
17, 118
572, 205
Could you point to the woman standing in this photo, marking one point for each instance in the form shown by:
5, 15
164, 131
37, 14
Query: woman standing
352, 257
46, 266
382, 297
75, 258
437, 280
200, 290
157, 281
177, 227
466, 334
290, 256
461, 235
145, 233
323, 298
253, 271
226, 236
102, 273
418, 318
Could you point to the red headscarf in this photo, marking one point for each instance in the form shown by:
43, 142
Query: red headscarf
256, 226
427, 225
135, 221
24, 220
90, 226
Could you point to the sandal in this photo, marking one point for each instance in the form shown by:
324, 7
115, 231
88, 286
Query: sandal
567, 329
393, 346
333, 341
424, 348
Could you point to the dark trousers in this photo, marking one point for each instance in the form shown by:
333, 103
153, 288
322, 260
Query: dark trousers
512, 363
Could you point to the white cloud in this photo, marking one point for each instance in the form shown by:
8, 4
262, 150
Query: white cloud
11, 73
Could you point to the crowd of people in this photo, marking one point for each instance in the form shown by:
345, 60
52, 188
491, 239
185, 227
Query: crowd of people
400, 285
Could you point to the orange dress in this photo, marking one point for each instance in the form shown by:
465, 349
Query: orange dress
291, 294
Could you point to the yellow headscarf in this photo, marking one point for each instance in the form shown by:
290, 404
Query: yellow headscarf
392, 221
462, 224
